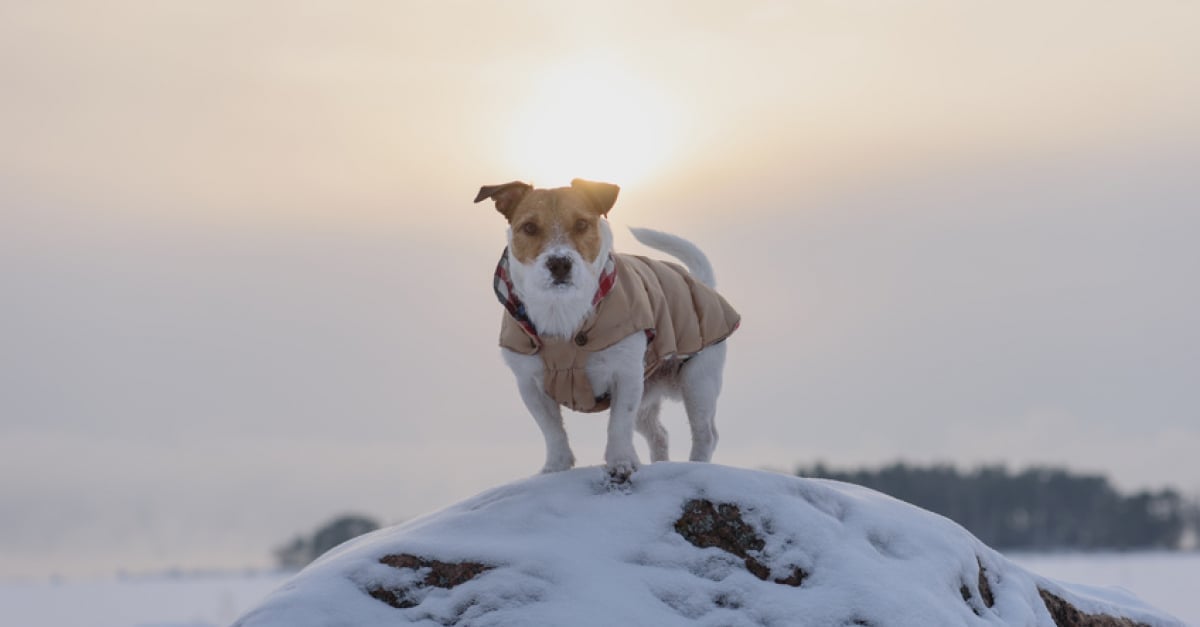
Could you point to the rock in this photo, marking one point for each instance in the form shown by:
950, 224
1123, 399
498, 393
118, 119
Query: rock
1067, 615
437, 574
682, 544
706, 524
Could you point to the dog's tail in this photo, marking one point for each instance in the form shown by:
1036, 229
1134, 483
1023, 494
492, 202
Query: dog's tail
681, 249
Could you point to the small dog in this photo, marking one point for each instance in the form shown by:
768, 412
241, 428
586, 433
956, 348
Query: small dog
591, 329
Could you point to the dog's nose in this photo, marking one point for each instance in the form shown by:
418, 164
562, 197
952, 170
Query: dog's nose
559, 267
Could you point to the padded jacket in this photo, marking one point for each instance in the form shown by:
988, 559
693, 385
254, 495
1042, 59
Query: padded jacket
679, 315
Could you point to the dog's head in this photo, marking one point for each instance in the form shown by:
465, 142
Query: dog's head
558, 243
557, 236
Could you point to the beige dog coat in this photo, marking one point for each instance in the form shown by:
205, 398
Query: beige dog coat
679, 315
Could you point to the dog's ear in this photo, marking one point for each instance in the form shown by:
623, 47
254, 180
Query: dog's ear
507, 196
602, 195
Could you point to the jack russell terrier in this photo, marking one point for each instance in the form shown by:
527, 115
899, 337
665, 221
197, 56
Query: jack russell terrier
591, 329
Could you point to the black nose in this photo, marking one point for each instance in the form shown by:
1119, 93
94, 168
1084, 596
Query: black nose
559, 267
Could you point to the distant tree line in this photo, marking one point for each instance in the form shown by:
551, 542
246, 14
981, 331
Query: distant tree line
1035, 509
301, 550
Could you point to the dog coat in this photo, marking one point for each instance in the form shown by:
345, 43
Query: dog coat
679, 315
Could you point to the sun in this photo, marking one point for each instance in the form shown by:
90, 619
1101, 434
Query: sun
594, 119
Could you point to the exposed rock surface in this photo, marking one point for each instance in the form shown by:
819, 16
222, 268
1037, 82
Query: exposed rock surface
1067, 615
685, 544
437, 574
706, 524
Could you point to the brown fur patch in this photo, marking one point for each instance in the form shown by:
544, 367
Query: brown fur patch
548, 216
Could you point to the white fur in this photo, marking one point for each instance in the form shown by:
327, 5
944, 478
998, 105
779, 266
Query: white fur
617, 370
557, 310
681, 249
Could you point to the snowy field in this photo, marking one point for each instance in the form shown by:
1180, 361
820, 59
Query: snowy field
166, 601
1170, 581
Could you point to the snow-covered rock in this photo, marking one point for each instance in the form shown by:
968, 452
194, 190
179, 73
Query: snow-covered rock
685, 544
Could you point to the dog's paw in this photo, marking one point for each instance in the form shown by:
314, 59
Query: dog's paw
559, 463
620, 471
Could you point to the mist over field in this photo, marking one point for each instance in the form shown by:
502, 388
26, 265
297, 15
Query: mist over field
245, 289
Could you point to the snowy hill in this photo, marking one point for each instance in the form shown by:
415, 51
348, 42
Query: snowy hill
687, 544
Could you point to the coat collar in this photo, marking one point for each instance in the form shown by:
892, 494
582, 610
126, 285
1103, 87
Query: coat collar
507, 295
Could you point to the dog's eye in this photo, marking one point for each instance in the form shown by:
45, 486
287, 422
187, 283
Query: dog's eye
581, 226
529, 228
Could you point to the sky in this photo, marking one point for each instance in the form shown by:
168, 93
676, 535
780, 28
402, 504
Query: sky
244, 288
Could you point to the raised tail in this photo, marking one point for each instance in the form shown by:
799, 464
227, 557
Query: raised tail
681, 249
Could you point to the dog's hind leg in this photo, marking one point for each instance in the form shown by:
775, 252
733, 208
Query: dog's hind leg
651, 428
700, 383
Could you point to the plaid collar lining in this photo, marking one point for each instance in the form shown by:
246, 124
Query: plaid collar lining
503, 286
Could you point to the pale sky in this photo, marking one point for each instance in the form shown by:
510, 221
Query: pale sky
245, 288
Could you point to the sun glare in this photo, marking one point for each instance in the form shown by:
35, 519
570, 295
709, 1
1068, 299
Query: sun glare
591, 119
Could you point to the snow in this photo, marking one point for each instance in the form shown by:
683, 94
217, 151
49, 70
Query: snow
1169, 581
1166, 580
567, 549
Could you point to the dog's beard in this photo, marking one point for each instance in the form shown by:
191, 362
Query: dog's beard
556, 308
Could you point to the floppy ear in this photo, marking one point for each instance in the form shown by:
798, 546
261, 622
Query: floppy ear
602, 195
507, 196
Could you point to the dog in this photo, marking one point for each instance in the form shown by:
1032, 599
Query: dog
590, 329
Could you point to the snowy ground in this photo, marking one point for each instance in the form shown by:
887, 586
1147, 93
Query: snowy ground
165, 601
1166, 580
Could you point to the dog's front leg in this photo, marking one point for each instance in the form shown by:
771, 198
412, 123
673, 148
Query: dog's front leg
620, 457
549, 418
546, 412
619, 370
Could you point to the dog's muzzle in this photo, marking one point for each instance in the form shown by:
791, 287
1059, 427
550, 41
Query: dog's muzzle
560, 269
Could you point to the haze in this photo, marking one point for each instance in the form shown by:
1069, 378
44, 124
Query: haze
244, 287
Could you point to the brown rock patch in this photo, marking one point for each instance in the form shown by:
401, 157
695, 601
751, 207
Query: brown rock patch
794, 579
440, 575
985, 588
1067, 615
707, 524
394, 598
